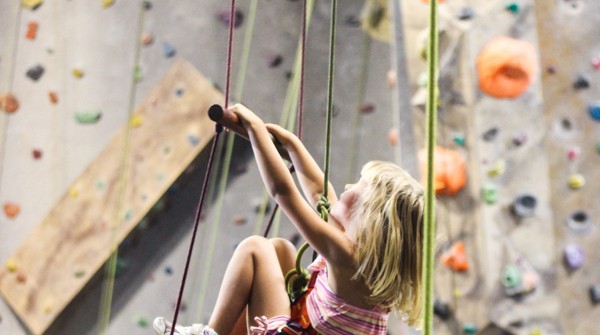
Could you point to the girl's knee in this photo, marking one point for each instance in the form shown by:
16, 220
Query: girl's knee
254, 241
282, 245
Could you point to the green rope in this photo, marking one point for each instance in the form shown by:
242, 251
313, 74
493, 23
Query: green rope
429, 218
302, 276
111, 266
329, 95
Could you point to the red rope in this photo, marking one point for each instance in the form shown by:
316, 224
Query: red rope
218, 130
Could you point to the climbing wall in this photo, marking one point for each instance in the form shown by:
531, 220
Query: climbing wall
496, 249
109, 199
86, 50
570, 66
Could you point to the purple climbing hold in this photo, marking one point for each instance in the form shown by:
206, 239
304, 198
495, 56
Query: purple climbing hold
274, 60
238, 17
574, 256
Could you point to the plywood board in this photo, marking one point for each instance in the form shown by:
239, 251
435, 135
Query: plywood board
167, 131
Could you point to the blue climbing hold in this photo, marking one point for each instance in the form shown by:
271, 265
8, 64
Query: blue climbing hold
168, 50
594, 110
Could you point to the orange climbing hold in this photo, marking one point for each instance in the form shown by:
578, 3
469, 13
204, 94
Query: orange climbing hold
9, 103
455, 258
11, 209
506, 67
32, 28
450, 173
53, 97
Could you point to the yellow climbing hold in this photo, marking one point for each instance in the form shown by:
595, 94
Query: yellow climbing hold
11, 266
498, 168
107, 3
78, 73
536, 331
31, 4
136, 121
73, 192
47, 309
457, 293
576, 181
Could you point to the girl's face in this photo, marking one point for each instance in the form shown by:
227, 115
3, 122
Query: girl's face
341, 211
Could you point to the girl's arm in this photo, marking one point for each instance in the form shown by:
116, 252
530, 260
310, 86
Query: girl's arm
327, 239
309, 173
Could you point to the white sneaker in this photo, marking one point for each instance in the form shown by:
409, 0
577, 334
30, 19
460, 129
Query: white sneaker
163, 327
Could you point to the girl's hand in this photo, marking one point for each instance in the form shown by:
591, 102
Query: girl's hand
246, 116
281, 134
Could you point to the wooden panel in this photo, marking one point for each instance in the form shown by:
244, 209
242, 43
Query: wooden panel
168, 130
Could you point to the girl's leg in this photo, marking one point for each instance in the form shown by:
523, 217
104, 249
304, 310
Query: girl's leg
286, 253
252, 279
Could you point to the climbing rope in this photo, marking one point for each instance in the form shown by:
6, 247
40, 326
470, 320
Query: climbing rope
429, 217
226, 160
111, 266
218, 131
297, 87
301, 276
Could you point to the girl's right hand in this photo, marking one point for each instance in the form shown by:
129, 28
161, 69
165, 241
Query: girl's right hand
246, 116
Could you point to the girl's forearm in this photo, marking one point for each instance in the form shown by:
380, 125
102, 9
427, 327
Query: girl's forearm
309, 173
274, 173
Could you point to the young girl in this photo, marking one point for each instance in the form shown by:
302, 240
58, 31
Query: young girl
370, 248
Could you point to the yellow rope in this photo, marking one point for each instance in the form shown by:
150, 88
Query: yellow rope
111, 266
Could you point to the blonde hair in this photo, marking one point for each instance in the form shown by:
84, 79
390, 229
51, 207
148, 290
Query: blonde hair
389, 239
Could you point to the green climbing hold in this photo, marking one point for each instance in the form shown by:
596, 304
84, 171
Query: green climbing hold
511, 277
88, 117
490, 194
598, 147
137, 74
142, 321
513, 7
459, 139
469, 328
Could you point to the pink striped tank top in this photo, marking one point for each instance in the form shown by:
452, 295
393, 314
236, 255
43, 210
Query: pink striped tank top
331, 315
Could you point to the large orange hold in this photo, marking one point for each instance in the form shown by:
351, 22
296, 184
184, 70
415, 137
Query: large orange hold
506, 67
450, 174
455, 258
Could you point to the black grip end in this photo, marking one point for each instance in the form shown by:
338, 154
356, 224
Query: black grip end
215, 112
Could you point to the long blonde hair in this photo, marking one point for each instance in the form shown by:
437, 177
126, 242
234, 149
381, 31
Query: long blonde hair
389, 238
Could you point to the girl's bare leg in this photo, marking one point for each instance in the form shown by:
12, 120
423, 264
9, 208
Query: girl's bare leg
252, 280
286, 254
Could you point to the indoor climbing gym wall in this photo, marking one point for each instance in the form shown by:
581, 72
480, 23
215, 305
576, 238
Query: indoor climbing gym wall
105, 141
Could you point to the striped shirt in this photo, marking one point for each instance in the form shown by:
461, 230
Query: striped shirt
331, 315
